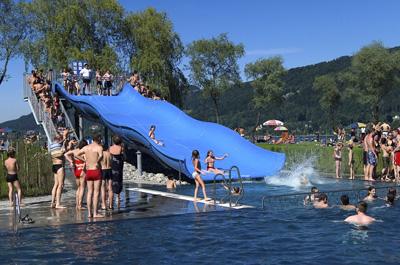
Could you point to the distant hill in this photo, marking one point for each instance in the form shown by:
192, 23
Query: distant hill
22, 124
299, 109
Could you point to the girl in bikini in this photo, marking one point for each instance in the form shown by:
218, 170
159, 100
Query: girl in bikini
197, 175
210, 162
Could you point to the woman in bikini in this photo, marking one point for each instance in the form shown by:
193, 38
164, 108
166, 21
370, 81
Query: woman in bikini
78, 164
210, 162
197, 175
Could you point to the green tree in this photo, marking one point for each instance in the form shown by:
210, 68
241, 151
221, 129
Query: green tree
213, 66
12, 31
329, 93
267, 81
376, 73
64, 30
155, 50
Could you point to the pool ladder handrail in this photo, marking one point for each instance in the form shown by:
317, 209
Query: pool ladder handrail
229, 186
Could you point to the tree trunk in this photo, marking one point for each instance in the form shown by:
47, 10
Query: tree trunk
375, 113
253, 133
4, 72
216, 108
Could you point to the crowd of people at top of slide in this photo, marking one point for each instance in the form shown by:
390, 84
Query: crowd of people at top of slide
320, 200
377, 140
145, 90
104, 81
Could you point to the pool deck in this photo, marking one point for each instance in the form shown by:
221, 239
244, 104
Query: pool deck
136, 202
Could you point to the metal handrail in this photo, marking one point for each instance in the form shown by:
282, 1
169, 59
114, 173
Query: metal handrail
241, 194
215, 189
359, 190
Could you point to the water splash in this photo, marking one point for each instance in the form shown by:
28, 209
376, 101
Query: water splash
299, 177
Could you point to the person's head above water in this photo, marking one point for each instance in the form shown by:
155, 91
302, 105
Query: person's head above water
390, 198
314, 190
195, 154
345, 199
362, 207
323, 198
170, 177
372, 191
392, 191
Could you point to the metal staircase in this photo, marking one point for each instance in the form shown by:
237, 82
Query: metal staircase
42, 117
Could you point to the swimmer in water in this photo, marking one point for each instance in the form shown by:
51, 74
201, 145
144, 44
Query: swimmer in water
390, 199
234, 190
371, 195
312, 196
361, 218
346, 203
304, 180
321, 202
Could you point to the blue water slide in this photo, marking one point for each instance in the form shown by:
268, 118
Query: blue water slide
130, 115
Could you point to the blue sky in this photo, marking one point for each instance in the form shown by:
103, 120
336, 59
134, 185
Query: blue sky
303, 32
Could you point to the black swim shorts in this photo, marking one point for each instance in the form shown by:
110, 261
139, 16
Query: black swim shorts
365, 158
11, 177
106, 174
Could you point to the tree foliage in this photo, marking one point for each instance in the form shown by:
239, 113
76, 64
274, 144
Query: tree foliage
329, 93
375, 73
155, 50
12, 32
65, 30
213, 66
267, 82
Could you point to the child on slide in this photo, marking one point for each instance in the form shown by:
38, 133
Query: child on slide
210, 162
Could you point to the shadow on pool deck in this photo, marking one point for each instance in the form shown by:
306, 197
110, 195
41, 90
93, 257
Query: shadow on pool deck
133, 205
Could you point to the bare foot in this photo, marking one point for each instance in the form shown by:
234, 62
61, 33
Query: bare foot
60, 207
90, 216
98, 215
52, 205
207, 199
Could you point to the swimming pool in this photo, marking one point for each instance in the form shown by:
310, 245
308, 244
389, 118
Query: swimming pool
294, 235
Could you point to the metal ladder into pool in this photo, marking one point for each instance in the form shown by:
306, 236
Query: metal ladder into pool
233, 198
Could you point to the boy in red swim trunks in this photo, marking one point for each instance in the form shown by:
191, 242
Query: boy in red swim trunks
93, 156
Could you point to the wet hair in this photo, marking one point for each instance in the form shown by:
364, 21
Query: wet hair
195, 154
390, 198
105, 147
170, 177
392, 191
152, 127
97, 138
209, 152
117, 140
370, 189
345, 199
82, 144
322, 197
314, 189
11, 153
236, 189
362, 207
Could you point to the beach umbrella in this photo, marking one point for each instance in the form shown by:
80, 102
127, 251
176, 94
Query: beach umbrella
361, 125
273, 123
281, 129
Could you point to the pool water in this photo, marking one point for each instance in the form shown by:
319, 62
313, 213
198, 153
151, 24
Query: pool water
280, 235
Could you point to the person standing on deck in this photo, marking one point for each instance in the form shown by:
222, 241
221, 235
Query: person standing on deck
93, 154
117, 167
11, 166
351, 160
372, 155
337, 155
106, 180
85, 73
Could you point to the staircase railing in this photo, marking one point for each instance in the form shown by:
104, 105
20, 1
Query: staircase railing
42, 117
